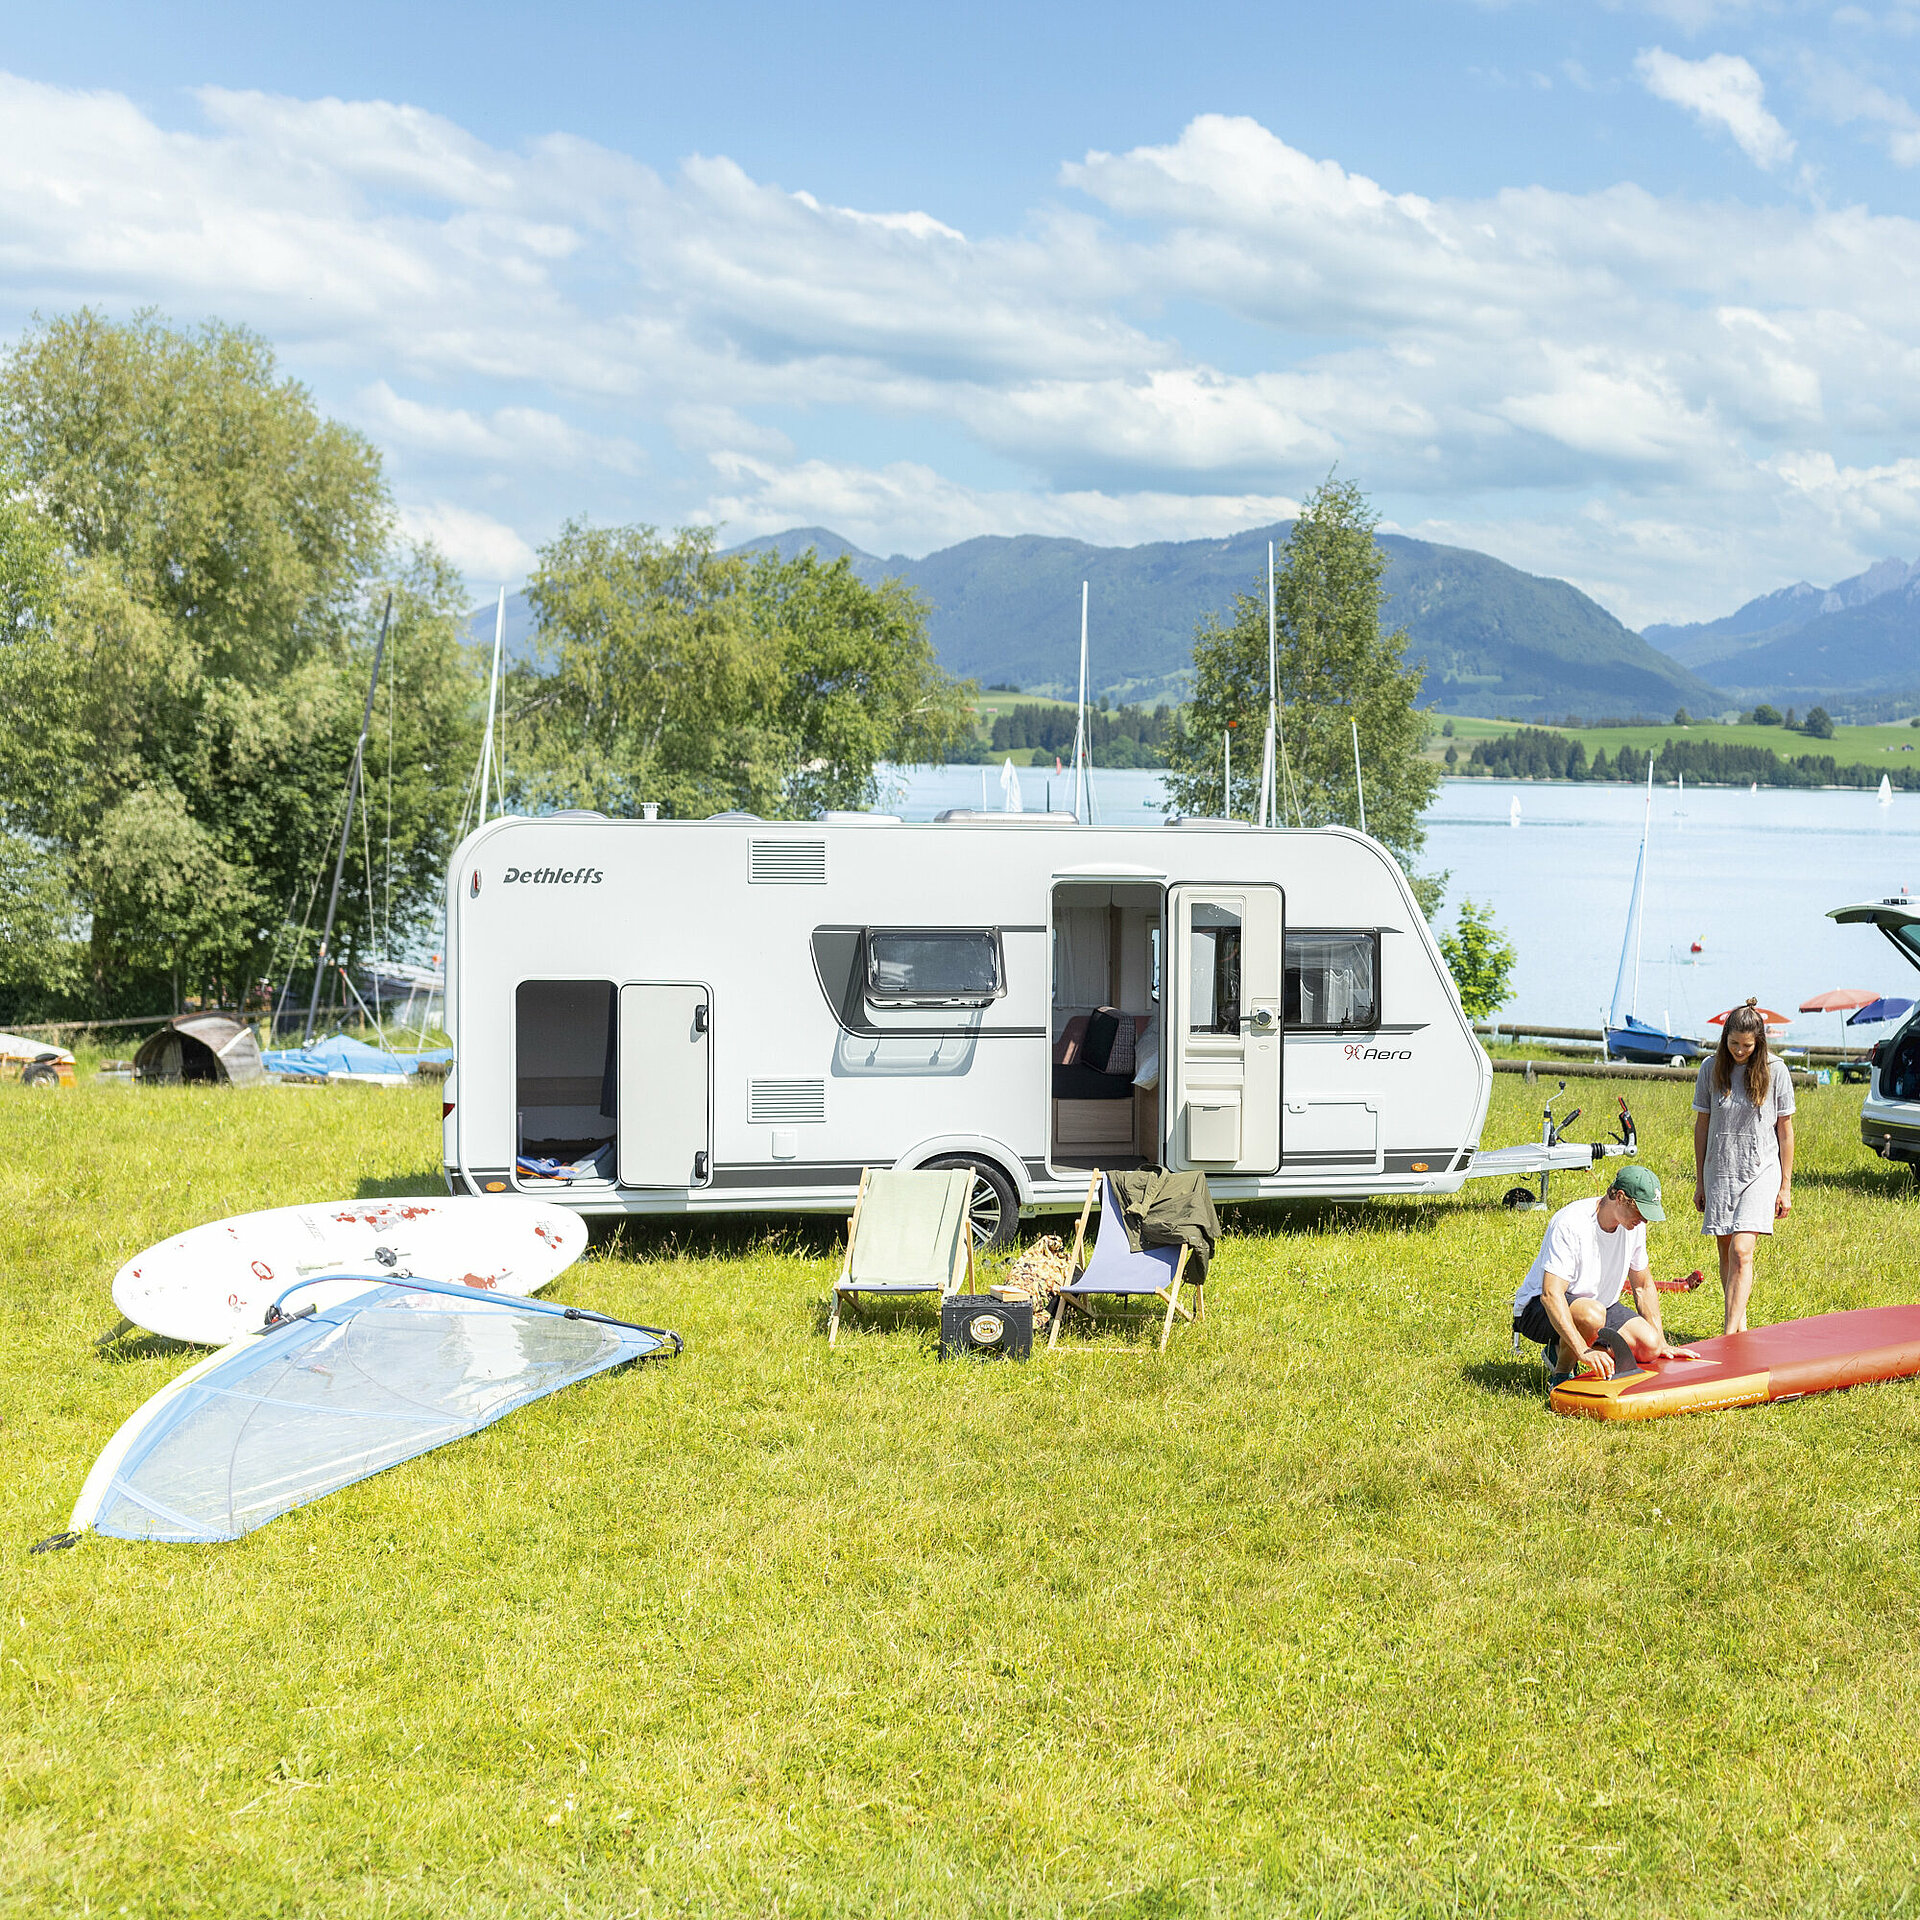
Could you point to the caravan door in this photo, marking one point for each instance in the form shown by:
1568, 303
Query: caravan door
1222, 1047
666, 1086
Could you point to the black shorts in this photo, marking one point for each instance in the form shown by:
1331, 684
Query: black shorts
1531, 1323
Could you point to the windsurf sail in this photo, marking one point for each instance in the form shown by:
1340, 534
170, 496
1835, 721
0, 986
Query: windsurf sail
334, 1395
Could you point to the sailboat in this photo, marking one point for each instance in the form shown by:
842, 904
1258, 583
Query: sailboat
1886, 791
1513, 812
1628, 1036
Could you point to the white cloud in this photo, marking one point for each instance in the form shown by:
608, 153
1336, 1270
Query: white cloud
908, 507
1720, 91
1638, 388
482, 548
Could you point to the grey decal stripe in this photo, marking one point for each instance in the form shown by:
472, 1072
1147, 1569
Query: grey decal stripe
788, 1173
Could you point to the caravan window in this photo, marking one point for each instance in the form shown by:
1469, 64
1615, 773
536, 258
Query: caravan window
934, 966
1333, 979
1215, 995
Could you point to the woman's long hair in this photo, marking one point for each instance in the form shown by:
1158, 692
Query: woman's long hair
1747, 1019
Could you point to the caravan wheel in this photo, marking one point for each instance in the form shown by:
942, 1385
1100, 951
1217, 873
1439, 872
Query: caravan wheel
996, 1206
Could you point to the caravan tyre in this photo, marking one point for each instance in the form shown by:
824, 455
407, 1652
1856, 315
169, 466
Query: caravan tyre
996, 1206
41, 1074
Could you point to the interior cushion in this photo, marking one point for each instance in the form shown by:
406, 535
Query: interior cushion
1084, 1083
1066, 1050
1120, 1056
1102, 1030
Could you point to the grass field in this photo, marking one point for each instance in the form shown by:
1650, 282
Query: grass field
1888, 746
1319, 1613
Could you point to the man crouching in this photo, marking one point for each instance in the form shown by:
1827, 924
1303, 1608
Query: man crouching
1570, 1303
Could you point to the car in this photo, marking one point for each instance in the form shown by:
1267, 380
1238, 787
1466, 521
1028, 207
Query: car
1890, 1115
33, 1063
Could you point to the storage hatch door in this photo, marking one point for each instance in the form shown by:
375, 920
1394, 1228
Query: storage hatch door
666, 1086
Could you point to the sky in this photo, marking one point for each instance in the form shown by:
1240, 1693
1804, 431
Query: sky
1625, 293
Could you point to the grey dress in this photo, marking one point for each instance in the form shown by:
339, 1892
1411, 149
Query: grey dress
1742, 1177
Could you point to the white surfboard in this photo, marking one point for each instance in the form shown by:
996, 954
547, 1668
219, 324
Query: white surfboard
213, 1284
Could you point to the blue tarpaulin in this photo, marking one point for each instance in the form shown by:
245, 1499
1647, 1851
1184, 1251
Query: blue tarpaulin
338, 1054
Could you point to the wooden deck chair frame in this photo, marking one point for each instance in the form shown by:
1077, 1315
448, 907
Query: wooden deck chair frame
843, 1291
1170, 1293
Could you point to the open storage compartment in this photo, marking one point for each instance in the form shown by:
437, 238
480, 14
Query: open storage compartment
566, 1078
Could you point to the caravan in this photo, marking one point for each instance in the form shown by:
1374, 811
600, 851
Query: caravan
692, 1017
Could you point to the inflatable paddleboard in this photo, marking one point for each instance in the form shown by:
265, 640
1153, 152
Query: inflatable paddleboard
214, 1283
1780, 1362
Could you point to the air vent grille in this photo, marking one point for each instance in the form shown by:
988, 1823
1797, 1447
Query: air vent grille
787, 863
786, 1103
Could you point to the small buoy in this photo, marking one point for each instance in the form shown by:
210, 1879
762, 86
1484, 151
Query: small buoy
1699, 946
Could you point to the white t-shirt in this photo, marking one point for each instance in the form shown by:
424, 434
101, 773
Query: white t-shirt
1594, 1264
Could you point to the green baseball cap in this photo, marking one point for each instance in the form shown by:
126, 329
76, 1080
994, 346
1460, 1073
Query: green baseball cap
1641, 1185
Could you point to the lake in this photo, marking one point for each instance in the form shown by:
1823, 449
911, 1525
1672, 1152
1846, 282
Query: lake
1748, 875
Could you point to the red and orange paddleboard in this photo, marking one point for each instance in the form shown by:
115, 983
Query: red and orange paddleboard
1780, 1362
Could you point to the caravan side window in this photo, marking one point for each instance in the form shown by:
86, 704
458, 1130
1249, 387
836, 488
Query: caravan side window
934, 966
1333, 978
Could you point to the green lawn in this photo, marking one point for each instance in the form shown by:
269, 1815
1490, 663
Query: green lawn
1321, 1613
1878, 746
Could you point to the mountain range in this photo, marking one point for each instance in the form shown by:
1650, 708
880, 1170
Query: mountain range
1006, 610
1854, 645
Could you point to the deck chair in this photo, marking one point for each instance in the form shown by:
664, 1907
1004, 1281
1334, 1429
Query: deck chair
1115, 1268
910, 1233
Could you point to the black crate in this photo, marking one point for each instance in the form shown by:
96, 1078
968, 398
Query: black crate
994, 1329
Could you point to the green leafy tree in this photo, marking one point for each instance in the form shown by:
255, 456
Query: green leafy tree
1481, 959
42, 954
1337, 670
178, 710
1818, 725
859, 683
669, 673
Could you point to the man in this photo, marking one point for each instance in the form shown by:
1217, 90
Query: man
1570, 1302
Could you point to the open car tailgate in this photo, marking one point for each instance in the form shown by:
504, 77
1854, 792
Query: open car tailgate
1899, 920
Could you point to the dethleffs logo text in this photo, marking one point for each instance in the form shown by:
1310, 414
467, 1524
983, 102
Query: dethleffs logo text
553, 876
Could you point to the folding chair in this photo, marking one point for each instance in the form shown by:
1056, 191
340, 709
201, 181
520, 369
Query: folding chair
1115, 1268
910, 1233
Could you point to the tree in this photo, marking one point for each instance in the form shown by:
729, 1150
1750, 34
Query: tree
1481, 959
859, 683
178, 709
1337, 671
42, 956
674, 675
1762, 716
1818, 725
1681, 717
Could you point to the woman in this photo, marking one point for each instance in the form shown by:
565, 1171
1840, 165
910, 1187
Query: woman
1742, 1150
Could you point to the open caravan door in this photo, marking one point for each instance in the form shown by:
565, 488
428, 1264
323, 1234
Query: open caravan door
1223, 1044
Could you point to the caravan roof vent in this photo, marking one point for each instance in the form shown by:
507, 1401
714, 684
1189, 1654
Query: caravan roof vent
733, 813
786, 1103
843, 817
983, 817
1199, 820
787, 863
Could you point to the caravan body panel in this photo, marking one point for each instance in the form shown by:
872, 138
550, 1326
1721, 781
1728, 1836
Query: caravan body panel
738, 1014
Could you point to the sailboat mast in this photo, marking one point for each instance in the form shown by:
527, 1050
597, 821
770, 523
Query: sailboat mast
493, 694
1081, 784
1630, 934
1640, 918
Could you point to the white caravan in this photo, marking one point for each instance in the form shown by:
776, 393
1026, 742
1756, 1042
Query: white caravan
735, 1014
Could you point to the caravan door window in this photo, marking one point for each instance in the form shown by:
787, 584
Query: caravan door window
1213, 1003
1333, 979
934, 967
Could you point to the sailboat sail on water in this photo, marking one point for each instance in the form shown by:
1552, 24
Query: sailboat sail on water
1628, 1036
1513, 812
1886, 791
